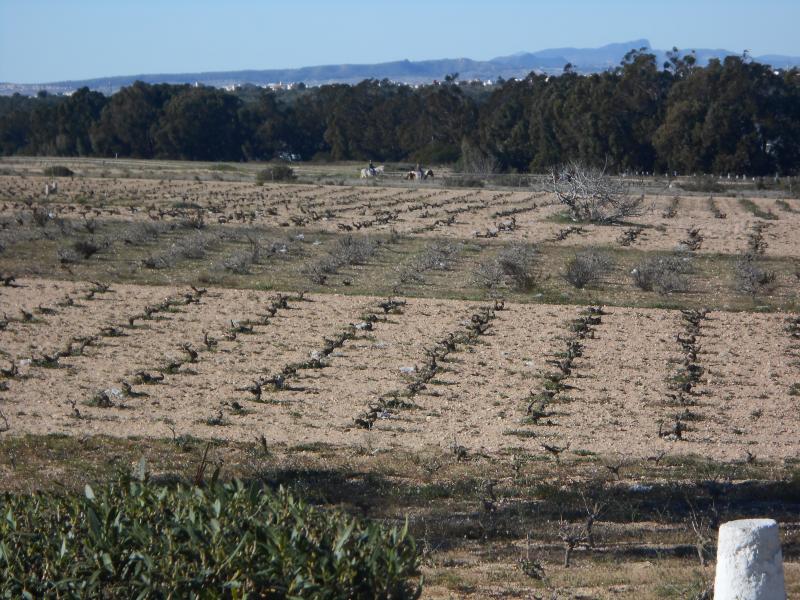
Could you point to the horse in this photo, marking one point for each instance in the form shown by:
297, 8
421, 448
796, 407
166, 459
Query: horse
421, 175
365, 173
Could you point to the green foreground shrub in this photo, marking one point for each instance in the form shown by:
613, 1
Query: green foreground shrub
135, 539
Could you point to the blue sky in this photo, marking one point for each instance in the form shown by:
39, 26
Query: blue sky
51, 40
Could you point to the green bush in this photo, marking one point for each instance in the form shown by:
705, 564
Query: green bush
58, 171
136, 539
276, 173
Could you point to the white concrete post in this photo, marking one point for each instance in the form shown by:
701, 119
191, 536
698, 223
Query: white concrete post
749, 561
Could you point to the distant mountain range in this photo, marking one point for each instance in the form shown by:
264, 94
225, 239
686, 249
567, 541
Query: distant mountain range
584, 60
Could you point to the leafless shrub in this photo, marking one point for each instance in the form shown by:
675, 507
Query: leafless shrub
704, 523
277, 247
137, 234
160, 261
664, 274
195, 246
515, 266
349, 251
410, 274
67, 256
256, 249
591, 195
322, 268
40, 217
355, 251
90, 225
239, 262
751, 278
587, 267
195, 221
192, 247
488, 274
519, 263
437, 256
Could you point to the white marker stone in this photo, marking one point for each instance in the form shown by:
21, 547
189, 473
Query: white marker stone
749, 561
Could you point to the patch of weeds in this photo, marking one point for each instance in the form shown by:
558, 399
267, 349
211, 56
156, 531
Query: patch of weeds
753, 208
585, 453
521, 433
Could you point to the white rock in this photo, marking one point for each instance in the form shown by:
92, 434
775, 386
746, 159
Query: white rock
407, 369
749, 561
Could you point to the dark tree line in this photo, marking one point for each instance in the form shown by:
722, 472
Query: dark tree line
732, 116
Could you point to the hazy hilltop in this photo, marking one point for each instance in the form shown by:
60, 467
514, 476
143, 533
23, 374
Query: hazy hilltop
551, 60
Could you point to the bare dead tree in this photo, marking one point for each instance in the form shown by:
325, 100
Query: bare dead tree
593, 196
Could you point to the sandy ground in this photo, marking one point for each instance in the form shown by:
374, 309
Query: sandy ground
478, 400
